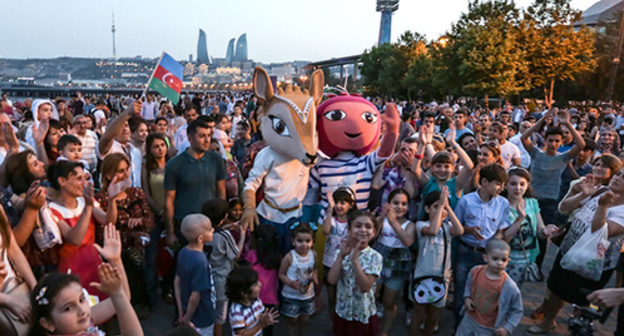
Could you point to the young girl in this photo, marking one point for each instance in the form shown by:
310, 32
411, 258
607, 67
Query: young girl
232, 222
265, 259
434, 256
248, 316
527, 224
299, 275
340, 204
355, 272
59, 304
396, 235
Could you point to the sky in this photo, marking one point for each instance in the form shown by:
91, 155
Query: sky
277, 30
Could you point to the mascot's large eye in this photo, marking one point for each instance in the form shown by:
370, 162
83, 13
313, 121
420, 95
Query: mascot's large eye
335, 115
279, 126
369, 117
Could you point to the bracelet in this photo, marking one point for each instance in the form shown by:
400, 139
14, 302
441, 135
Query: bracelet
419, 156
455, 146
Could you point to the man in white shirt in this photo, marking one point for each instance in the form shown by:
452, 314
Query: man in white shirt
180, 136
149, 111
117, 140
89, 141
509, 152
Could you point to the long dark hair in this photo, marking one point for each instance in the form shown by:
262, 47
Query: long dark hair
150, 162
57, 125
18, 173
265, 244
42, 297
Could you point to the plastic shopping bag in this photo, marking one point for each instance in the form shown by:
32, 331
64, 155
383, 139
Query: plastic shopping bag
586, 256
47, 233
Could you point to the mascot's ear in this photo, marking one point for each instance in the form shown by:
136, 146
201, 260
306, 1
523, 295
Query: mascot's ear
262, 85
317, 82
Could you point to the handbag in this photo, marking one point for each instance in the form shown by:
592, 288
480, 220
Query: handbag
586, 256
531, 272
9, 323
430, 289
47, 234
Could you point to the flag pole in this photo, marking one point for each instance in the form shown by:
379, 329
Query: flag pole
151, 76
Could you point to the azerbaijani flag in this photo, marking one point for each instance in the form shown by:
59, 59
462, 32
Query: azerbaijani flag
167, 78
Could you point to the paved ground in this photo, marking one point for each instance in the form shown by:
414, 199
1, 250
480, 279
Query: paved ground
160, 320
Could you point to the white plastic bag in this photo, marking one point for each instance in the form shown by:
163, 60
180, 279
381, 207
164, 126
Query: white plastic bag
47, 233
586, 256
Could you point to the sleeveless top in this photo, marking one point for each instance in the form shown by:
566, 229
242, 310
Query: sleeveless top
300, 270
388, 237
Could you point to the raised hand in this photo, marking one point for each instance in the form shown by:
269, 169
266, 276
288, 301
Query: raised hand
450, 136
550, 230
587, 185
35, 196
134, 222
330, 200
520, 208
563, 117
87, 193
390, 213
110, 280
346, 246
112, 244
606, 199
391, 118
9, 136
39, 132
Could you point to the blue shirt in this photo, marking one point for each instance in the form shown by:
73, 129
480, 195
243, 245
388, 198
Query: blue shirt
194, 272
459, 132
489, 216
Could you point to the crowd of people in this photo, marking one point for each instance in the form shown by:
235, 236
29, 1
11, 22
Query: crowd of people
109, 203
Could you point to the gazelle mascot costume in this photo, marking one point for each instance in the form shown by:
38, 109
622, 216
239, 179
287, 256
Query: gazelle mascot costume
288, 125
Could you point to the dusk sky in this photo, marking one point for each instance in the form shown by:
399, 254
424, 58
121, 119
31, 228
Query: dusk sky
277, 30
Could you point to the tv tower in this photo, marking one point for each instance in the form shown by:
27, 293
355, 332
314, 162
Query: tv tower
113, 29
386, 7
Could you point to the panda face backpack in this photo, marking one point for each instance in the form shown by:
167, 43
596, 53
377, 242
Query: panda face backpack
430, 289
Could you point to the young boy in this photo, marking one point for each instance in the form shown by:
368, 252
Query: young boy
460, 117
509, 152
442, 167
194, 289
224, 251
547, 166
484, 216
492, 300
70, 148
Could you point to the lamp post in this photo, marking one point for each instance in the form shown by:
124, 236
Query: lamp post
616, 61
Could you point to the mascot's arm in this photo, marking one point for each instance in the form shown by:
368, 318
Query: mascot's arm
392, 120
261, 167
250, 217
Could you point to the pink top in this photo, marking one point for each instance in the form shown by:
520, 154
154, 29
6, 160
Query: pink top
268, 279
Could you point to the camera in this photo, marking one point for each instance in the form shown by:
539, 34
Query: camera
581, 321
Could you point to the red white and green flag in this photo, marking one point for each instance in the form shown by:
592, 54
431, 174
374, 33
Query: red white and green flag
167, 78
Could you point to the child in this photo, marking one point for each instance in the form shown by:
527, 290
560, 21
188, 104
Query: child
527, 224
442, 167
193, 286
434, 256
341, 203
299, 275
224, 251
492, 300
70, 148
396, 235
233, 220
265, 259
484, 215
247, 314
510, 153
355, 272
59, 303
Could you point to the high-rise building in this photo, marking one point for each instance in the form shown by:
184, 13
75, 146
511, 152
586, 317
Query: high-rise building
229, 54
241, 49
202, 49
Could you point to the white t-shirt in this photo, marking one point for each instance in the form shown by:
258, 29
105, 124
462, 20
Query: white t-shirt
389, 237
525, 157
509, 152
333, 241
581, 222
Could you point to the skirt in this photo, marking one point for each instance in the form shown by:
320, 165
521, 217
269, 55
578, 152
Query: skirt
571, 287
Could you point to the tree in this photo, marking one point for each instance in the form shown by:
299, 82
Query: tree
554, 50
384, 67
483, 50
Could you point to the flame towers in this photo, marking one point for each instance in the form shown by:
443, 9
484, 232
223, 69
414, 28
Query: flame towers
202, 49
241, 49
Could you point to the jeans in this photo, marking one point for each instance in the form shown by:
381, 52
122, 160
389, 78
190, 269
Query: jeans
548, 210
467, 258
149, 269
284, 241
